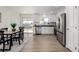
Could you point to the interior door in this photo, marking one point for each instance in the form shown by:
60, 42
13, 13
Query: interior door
75, 28
69, 28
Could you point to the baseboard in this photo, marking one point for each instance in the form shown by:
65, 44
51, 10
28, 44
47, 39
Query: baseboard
69, 50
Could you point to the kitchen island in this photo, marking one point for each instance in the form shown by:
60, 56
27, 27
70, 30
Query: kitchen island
44, 29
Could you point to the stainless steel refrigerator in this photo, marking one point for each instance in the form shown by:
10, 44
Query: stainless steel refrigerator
61, 29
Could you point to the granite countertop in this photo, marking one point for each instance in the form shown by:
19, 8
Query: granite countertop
44, 26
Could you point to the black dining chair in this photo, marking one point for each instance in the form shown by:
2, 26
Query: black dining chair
4, 40
19, 36
16, 37
5, 29
21, 33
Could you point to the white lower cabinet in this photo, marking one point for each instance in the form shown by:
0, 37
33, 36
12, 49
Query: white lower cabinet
47, 30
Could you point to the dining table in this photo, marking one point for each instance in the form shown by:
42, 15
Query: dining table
10, 33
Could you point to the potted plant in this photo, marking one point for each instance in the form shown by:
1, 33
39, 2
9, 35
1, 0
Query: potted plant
13, 25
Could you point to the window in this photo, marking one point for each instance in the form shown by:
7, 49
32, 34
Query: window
46, 19
27, 24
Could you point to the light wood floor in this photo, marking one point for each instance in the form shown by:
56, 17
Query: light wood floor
43, 43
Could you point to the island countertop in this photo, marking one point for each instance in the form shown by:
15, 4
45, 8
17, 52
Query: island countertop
44, 25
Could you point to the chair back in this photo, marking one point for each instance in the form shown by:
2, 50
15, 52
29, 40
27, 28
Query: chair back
21, 32
21, 28
5, 29
1, 35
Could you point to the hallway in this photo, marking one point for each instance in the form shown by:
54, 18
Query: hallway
43, 43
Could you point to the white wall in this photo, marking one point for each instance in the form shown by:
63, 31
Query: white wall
8, 16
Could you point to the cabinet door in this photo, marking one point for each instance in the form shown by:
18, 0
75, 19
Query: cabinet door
47, 30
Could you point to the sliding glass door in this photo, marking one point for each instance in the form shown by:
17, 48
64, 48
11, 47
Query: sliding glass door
27, 23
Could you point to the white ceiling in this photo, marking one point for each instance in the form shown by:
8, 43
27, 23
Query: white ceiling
36, 9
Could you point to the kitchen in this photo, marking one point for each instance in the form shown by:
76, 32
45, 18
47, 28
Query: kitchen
45, 22
44, 25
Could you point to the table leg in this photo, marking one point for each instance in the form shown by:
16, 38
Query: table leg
11, 44
11, 40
